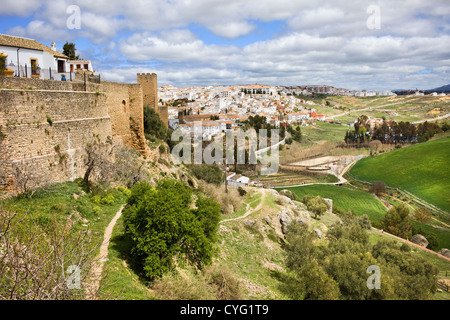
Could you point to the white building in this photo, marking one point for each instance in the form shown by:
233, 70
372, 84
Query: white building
298, 116
202, 130
237, 180
30, 58
81, 65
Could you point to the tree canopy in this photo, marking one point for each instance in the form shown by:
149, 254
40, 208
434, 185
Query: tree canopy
338, 269
70, 51
161, 224
153, 126
396, 221
317, 205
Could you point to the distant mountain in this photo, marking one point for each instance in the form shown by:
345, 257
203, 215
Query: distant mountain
443, 88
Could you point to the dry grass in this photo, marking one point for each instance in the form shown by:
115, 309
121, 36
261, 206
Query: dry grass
229, 202
298, 151
216, 282
226, 284
182, 285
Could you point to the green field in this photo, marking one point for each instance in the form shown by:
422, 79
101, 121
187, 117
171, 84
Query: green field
325, 131
422, 169
360, 202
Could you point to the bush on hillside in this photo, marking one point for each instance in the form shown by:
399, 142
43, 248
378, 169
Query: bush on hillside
378, 187
341, 266
160, 224
210, 173
396, 221
153, 126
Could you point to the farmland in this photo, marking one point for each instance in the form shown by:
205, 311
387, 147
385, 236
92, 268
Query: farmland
421, 169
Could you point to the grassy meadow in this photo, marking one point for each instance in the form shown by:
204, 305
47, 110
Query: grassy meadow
422, 169
358, 201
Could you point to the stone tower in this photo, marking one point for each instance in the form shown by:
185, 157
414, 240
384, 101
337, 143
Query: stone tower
149, 84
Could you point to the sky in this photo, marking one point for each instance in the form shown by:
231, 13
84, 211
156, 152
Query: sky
365, 44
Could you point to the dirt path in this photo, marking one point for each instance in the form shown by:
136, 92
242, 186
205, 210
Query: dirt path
96, 272
358, 110
249, 209
411, 243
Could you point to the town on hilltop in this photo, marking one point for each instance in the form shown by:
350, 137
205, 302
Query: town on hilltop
224, 107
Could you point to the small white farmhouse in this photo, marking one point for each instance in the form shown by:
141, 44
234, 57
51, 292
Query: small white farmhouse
32, 59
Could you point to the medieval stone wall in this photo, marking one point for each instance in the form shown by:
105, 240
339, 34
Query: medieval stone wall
48, 130
38, 84
46, 124
149, 84
124, 103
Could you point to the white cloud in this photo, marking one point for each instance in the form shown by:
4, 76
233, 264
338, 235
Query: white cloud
41, 30
99, 29
232, 30
316, 18
319, 41
143, 47
23, 8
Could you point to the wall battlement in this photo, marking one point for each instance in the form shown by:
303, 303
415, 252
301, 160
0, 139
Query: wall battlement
149, 84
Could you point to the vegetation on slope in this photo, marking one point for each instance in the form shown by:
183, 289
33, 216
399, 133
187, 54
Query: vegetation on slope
360, 202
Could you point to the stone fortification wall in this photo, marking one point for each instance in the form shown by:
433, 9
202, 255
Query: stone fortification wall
47, 124
124, 103
48, 130
38, 84
149, 84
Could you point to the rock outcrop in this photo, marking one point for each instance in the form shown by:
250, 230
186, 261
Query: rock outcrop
445, 252
420, 240
285, 218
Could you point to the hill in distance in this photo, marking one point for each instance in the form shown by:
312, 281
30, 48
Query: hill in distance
443, 88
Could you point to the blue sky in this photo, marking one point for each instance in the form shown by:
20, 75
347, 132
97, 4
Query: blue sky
366, 44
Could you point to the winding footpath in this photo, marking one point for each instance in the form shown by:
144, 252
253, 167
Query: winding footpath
97, 269
249, 209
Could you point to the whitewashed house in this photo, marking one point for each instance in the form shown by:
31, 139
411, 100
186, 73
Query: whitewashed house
32, 59
237, 180
298, 116
85, 65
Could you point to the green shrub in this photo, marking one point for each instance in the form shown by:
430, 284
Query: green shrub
108, 200
288, 193
49, 120
124, 190
242, 191
161, 223
96, 199
96, 210
153, 126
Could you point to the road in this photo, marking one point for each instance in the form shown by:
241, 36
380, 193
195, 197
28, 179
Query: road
358, 110
433, 119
